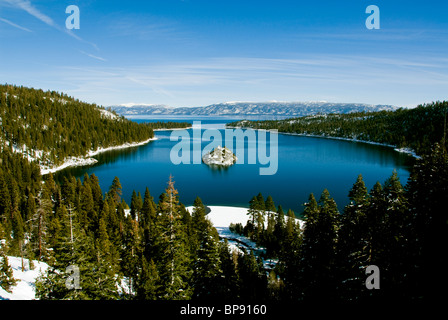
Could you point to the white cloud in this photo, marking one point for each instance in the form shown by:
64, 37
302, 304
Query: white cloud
15, 25
28, 7
92, 56
332, 78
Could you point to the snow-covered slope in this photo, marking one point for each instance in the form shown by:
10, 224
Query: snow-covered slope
24, 289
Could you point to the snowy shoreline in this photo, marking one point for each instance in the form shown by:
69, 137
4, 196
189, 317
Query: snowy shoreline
87, 161
172, 129
408, 151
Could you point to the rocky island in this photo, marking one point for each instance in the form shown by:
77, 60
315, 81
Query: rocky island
220, 156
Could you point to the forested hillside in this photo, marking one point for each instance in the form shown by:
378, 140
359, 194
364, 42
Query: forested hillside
157, 250
401, 227
154, 249
417, 128
50, 126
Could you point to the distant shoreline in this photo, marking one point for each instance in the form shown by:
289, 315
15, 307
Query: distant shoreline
173, 129
408, 151
402, 150
87, 160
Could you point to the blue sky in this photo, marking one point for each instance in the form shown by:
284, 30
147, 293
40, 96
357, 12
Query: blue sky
199, 52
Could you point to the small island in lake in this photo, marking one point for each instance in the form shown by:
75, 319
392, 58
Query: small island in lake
220, 156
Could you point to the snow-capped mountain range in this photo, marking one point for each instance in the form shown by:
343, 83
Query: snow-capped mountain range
291, 109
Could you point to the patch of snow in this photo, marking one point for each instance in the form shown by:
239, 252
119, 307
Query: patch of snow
107, 114
25, 286
408, 151
222, 216
122, 146
69, 162
81, 161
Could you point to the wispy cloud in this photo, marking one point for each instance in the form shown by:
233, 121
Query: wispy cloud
32, 10
145, 27
151, 85
92, 56
28, 7
15, 25
348, 78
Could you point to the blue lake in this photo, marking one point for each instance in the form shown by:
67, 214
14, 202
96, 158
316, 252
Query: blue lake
305, 165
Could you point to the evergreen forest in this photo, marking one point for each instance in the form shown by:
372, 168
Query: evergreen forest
155, 249
50, 127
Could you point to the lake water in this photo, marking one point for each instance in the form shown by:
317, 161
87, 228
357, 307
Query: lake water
305, 165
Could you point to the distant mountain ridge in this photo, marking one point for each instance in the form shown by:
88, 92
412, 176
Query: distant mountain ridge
292, 109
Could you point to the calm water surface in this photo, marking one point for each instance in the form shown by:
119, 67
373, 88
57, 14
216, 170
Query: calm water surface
305, 165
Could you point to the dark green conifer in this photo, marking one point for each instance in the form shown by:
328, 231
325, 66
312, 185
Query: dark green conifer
7, 280
172, 256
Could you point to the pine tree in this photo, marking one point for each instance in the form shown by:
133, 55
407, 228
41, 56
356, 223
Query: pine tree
427, 190
318, 248
393, 267
136, 204
198, 215
148, 285
147, 223
115, 190
352, 254
279, 233
269, 238
103, 244
227, 285
148, 212
5, 198
131, 253
14, 216
252, 281
97, 195
253, 214
88, 217
173, 256
39, 225
96, 275
7, 280
207, 264
269, 204
290, 226
198, 225
261, 202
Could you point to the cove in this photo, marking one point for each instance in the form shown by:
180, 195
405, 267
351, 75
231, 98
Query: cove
305, 165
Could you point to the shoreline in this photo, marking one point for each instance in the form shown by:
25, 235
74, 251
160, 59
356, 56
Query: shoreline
88, 160
408, 151
172, 129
